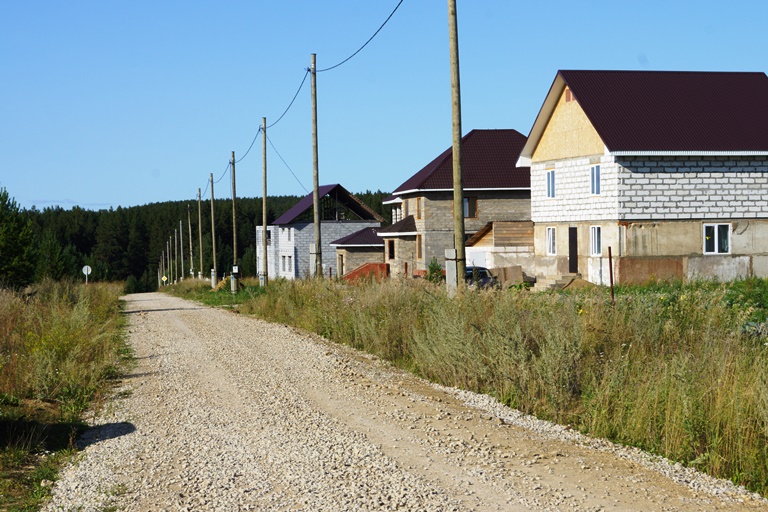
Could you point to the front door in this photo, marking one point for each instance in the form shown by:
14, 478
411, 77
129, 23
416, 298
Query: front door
573, 251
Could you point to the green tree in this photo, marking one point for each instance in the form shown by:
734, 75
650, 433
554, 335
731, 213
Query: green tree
16, 252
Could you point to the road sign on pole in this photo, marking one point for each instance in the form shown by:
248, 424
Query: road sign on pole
86, 271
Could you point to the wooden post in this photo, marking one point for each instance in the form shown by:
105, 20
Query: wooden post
191, 258
214, 274
265, 279
234, 214
181, 249
315, 172
458, 188
200, 231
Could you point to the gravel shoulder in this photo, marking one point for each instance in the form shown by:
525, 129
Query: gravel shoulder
227, 412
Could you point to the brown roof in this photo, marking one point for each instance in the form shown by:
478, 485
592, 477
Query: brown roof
407, 226
488, 159
338, 193
363, 238
667, 111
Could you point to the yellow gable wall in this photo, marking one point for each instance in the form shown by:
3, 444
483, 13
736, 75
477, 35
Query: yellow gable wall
568, 134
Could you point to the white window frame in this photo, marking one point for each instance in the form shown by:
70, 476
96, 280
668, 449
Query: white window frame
595, 241
594, 177
551, 183
716, 233
551, 242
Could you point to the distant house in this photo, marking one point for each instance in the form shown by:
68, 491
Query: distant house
290, 236
422, 207
668, 170
357, 249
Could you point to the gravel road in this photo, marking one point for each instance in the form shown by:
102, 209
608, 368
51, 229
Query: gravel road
227, 412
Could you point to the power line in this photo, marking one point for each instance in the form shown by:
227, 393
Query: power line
223, 173
288, 166
294, 99
366, 43
249, 147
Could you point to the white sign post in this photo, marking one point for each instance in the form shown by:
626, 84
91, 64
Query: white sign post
86, 271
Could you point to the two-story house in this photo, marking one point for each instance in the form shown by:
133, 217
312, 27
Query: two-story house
291, 235
495, 189
667, 170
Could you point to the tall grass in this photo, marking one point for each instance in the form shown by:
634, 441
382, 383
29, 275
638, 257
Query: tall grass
679, 370
58, 345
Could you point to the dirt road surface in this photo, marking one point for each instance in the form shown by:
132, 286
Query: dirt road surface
227, 412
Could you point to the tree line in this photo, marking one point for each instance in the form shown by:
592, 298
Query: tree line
126, 243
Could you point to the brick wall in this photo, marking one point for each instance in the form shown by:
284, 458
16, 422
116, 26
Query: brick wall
693, 188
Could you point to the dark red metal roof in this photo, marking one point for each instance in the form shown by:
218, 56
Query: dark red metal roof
674, 110
407, 225
488, 159
340, 194
366, 236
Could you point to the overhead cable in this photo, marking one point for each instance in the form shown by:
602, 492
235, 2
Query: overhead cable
288, 166
249, 147
294, 99
366, 43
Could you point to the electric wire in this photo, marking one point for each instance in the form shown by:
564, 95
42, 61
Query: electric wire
249, 147
366, 43
229, 165
294, 99
288, 166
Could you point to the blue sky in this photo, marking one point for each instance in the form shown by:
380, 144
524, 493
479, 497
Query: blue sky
127, 103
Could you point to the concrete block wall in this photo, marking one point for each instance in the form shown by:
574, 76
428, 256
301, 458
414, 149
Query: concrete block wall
573, 199
674, 188
304, 236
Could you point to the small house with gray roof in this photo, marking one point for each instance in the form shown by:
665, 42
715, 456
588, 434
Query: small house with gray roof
291, 235
665, 171
495, 189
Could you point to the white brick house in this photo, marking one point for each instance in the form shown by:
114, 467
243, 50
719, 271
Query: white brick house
290, 236
667, 169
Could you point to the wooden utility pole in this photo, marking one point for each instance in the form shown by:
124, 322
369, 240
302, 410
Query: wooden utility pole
176, 252
265, 280
234, 216
162, 265
168, 253
458, 188
181, 249
200, 231
315, 172
215, 275
191, 259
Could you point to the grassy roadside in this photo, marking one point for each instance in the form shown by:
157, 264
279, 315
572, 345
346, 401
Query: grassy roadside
59, 347
678, 370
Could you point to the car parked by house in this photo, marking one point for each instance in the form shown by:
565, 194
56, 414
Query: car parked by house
480, 277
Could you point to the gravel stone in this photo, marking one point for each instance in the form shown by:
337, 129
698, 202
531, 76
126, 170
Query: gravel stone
227, 412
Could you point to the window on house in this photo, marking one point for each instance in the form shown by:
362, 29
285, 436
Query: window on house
595, 179
569, 95
717, 238
391, 249
282, 262
269, 236
551, 183
419, 207
596, 244
290, 263
419, 252
470, 207
551, 242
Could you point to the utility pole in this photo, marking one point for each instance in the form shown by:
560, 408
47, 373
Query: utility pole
315, 172
181, 249
214, 274
191, 259
162, 265
176, 252
265, 280
234, 228
458, 188
200, 232
170, 267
